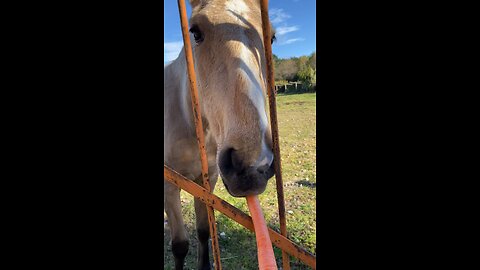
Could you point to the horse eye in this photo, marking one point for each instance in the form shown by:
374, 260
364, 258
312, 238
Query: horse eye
197, 34
273, 38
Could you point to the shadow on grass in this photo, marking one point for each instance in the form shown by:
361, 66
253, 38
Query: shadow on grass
289, 93
306, 183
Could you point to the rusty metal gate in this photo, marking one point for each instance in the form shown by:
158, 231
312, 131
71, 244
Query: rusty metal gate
203, 193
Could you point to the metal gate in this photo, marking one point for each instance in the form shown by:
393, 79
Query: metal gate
203, 193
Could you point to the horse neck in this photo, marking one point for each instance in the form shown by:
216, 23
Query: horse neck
184, 96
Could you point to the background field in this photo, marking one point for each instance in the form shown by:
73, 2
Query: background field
297, 124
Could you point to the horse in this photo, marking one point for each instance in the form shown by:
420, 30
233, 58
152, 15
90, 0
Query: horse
230, 65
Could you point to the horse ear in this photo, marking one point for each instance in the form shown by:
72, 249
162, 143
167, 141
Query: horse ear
195, 3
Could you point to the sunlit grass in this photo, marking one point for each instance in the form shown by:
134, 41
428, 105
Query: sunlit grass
297, 128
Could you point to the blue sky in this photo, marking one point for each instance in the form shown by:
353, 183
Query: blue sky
294, 20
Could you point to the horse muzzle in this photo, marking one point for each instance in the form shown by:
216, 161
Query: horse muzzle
241, 180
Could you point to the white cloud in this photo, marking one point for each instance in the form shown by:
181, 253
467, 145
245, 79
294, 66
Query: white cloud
285, 29
172, 49
277, 15
290, 41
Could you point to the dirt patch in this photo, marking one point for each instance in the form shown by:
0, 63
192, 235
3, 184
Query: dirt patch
295, 103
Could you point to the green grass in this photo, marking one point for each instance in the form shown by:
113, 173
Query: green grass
297, 127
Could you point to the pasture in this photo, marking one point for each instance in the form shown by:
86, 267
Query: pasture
297, 126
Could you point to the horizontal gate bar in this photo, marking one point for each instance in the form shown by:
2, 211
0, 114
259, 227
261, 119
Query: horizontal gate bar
232, 212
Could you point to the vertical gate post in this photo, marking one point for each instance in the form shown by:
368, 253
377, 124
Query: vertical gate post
197, 115
274, 124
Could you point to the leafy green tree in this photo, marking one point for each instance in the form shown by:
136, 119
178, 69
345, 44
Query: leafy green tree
302, 62
312, 60
303, 68
308, 76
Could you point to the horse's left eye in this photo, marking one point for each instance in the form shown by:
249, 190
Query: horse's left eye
197, 34
273, 38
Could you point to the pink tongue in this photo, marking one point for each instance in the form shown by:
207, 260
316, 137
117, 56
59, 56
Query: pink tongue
266, 258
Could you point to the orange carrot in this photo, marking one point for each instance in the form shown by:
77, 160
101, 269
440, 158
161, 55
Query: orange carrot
266, 258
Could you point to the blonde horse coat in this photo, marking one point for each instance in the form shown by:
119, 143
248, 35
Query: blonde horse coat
227, 44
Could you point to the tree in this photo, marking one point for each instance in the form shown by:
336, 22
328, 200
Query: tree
308, 76
302, 62
288, 69
312, 60
296, 68
276, 64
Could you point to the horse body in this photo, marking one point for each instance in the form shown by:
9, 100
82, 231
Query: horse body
182, 155
228, 53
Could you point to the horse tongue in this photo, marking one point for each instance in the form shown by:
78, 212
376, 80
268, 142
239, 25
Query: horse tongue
266, 258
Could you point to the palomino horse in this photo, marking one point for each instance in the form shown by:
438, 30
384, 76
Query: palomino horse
230, 65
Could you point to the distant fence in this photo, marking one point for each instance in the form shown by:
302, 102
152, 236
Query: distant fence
287, 87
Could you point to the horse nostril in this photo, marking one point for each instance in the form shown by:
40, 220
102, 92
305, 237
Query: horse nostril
230, 161
236, 160
263, 169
